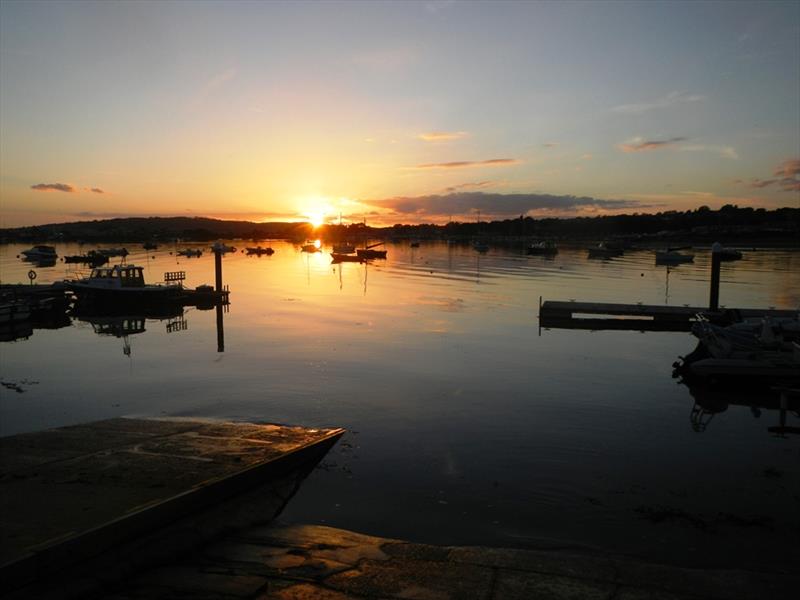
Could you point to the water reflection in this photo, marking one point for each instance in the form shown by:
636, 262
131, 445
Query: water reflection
472, 428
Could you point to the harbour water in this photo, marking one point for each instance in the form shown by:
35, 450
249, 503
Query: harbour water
466, 423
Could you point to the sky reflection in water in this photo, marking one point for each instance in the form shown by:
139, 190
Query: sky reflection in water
465, 425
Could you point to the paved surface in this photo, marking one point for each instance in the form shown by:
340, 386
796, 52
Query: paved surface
72, 493
306, 562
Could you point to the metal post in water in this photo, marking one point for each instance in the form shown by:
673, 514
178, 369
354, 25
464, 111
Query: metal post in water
716, 261
220, 330
218, 268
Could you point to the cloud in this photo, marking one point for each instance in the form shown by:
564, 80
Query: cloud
639, 144
494, 204
790, 184
670, 99
788, 168
787, 172
473, 185
440, 136
723, 151
550, 144
461, 164
95, 190
53, 187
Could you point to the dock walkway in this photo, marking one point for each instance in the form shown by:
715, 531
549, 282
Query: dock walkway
603, 315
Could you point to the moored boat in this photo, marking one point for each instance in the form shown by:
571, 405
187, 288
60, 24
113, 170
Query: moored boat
40, 253
339, 257
344, 248
190, 252
112, 252
122, 284
222, 247
605, 250
546, 248
258, 251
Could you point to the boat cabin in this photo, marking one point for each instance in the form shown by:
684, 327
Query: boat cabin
119, 276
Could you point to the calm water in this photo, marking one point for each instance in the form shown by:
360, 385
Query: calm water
465, 424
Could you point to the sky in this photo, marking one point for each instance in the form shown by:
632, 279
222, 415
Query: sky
395, 111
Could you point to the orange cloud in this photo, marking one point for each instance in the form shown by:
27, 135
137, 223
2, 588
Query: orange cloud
53, 187
461, 164
440, 136
640, 145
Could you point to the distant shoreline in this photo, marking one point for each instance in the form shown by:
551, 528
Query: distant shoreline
730, 224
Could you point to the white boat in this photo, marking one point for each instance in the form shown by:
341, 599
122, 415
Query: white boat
40, 253
122, 284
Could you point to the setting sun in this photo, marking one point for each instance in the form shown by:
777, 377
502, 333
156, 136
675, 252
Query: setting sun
316, 219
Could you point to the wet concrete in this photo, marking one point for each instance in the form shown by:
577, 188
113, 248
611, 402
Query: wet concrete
69, 495
304, 562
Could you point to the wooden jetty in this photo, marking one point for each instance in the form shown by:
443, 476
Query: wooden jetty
638, 317
83, 494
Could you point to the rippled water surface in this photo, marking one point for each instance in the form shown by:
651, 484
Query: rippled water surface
466, 423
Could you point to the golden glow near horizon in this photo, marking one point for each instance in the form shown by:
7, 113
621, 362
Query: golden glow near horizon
280, 128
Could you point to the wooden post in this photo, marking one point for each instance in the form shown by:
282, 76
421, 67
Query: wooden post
218, 268
716, 261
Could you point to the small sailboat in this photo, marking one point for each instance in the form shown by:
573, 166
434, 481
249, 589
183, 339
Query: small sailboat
370, 252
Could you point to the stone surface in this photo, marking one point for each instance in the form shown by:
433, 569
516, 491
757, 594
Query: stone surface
518, 585
417, 580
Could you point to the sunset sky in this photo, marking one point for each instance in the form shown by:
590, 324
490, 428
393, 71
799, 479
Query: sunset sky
395, 112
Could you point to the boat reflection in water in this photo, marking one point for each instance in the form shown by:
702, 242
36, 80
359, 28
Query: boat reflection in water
711, 400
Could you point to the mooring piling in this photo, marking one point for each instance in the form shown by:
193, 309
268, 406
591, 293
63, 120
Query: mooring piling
716, 261
218, 268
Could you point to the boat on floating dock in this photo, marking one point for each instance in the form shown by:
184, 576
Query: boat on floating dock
92, 258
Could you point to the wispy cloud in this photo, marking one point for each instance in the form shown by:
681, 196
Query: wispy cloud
756, 183
472, 185
53, 187
788, 168
550, 144
95, 190
723, 151
462, 164
441, 136
670, 99
787, 173
639, 144
493, 204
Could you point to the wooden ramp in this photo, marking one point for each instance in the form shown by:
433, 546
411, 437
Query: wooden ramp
637, 317
72, 494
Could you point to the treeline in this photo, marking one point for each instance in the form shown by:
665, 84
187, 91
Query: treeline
200, 229
729, 219
728, 223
